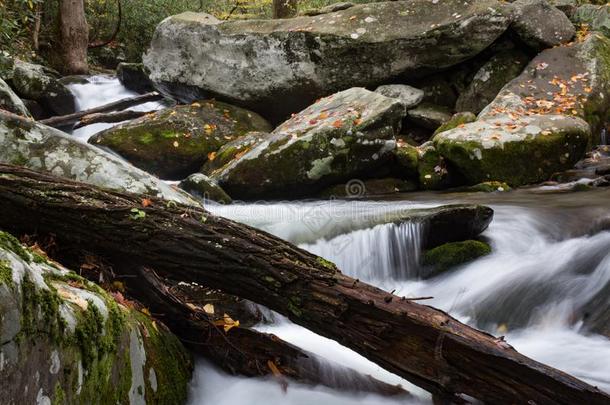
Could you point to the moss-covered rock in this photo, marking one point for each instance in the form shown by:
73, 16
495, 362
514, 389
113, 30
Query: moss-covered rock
38, 147
541, 122
9, 101
278, 67
35, 82
407, 160
175, 142
444, 257
202, 186
490, 79
540, 25
233, 150
429, 115
431, 168
457, 120
65, 340
336, 139
597, 18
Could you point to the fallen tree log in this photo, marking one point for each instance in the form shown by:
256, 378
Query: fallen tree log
422, 344
244, 351
66, 120
112, 117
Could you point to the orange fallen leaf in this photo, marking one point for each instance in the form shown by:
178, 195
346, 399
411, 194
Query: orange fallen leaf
211, 156
146, 202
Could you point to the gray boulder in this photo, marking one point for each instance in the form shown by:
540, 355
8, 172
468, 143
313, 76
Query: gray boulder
38, 147
337, 138
278, 67
67, 341
36, 83
409, 96
540, 25
9, 101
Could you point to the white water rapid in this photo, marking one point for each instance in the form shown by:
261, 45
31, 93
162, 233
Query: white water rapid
551, 258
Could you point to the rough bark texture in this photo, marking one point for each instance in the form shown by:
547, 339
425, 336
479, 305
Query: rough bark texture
285, 8
244, 351
65, 120
420, 343
74, 36
110, 117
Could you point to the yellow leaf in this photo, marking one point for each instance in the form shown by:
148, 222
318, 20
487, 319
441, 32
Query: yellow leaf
227, 323
145, 311
209, 309
276, 371
211, 156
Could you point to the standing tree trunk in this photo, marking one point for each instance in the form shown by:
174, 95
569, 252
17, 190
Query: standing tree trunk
284, 8
74, 36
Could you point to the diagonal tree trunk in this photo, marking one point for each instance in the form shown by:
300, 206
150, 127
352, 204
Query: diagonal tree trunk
420, 343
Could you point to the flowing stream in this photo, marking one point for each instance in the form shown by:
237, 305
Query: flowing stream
551, 258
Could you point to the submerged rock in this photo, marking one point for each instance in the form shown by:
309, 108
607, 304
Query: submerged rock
36, 83
278, 67
175, 142
444, 257
38, 147
133, 77
334, 140
541, 122
9, 101
202, 186
540, 25
67, 341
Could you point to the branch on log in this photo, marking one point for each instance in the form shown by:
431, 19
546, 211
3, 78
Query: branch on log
244, 351
65, 120
422, 344
110, 117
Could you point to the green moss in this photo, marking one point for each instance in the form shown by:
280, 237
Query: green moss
455, 121
40, 307
95, 337
59, 396
11, 243
325, 263
6, 273
452, 254
407, 158
146, 138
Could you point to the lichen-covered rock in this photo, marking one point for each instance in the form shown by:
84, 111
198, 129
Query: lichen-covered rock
278, 67
133, 77
233, 150
38, 147
430, 116
490, 79
202, 186
457, 120
9, 101
541, 122
540, 25
444, 257
409, 96
332, 141
175, 142
432, 169
597, 18
67, 341
36, 83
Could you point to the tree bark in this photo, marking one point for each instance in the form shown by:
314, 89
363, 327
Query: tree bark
422, 344
65, 120
74, 36
110, 117
244, 351
285, 8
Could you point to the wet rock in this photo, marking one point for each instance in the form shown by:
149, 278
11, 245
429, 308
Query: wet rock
486, 187
454, 223
540, 25
38, 147
9, 101
37, 83
202, 186
541, 122
490, 79
133, 77
409, 96
334, 140
67, 341
431, 168
430, 116
407, 160
277, 67
175, 142
596, 312
449, 255
457, 120
373, 187
597, 18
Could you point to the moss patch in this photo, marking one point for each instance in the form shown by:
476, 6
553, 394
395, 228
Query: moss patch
452, 254
6, 273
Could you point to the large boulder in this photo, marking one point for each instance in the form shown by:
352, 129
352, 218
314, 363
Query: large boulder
541, 25
175, 142
37, 83
409, 96
278, 67
67, 341
38, 147
341, 136
9, 101
541, 122
597, 18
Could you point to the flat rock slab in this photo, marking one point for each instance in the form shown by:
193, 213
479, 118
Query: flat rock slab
278, 67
